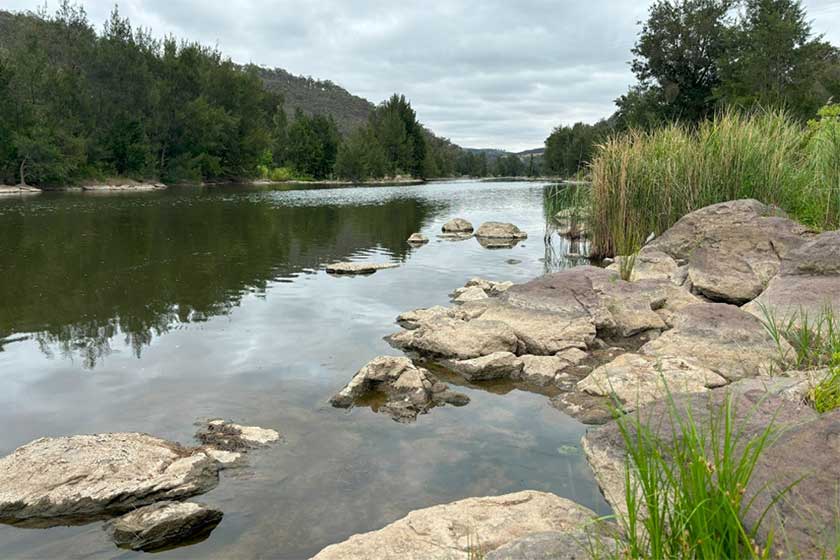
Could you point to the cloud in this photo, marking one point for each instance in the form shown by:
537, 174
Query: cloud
485, 73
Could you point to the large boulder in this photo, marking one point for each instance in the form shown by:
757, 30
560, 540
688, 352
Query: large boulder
499, 230
163, 525
464, 529
409, 390
637, 379
733, 249
543, 332
808, 285
753, 410
53, 480
557, 545
722, 338
457, 225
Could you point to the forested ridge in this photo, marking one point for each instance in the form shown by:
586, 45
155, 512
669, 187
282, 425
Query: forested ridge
696, 58
79, 105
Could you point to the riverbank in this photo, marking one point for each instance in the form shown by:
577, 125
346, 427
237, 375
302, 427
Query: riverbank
639, 355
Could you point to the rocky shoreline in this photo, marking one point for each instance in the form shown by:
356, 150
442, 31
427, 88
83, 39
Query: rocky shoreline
690, 323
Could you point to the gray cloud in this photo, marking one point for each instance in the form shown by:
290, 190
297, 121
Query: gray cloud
485, 73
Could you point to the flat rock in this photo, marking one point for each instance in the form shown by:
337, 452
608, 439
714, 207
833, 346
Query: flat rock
62, 479
163, 525
543, 332
358, 267
636, 379
498, 242
457, 225
469, 293
541, 370
491, 287
500, 230
458, 339
417, 239
722, 338
499, 365
733, 249
411, 320
752, 408
18, 189
456, 531
409, 390
556, 545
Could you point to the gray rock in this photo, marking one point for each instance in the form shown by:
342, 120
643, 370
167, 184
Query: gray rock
733, 248
417, 239
71, 479
499, 230
541, 370
358, 267
469, 293
456, 339
752, 409
498, 242
460, 530
721, 337
636, 379
409, 390
228, 436
499, 365
819, 257
556, 545
542, 332
457, 225
163, 525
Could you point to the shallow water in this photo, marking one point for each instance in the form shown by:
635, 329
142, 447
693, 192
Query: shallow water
149, 311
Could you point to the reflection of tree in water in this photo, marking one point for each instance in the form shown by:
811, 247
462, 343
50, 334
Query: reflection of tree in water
558, 246
79, 271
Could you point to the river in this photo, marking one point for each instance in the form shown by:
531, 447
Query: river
150, 311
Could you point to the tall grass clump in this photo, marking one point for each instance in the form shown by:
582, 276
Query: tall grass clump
686, 498
644, 181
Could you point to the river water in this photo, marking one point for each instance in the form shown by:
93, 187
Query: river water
151, 311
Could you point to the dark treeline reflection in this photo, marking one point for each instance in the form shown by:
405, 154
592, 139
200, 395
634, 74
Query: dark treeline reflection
78, 271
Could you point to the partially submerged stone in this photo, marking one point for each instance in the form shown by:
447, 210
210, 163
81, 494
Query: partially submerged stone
358, 267
409, 390
457, 225
636, 379
228, 436
417, 239
163, 525
78, 478
457, 530
500, 230
723, 338
542, 370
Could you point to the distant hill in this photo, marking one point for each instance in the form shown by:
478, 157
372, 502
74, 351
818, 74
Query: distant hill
318, 97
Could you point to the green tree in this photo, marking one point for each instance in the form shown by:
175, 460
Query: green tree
775, 60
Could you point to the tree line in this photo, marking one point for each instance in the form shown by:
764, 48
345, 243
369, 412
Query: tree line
694, 58
77, 105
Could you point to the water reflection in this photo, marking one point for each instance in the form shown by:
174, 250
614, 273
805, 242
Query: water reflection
79, 272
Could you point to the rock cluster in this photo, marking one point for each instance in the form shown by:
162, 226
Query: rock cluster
142, 478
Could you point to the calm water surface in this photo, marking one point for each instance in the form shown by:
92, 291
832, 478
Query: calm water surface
150, 311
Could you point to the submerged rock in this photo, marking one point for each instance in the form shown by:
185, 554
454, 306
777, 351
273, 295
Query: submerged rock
79, 478
358, 267
163, 525
457, 530
457, 225
409, 390
417, 239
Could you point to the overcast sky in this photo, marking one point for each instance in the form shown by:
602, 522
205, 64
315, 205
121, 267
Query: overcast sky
485, 73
